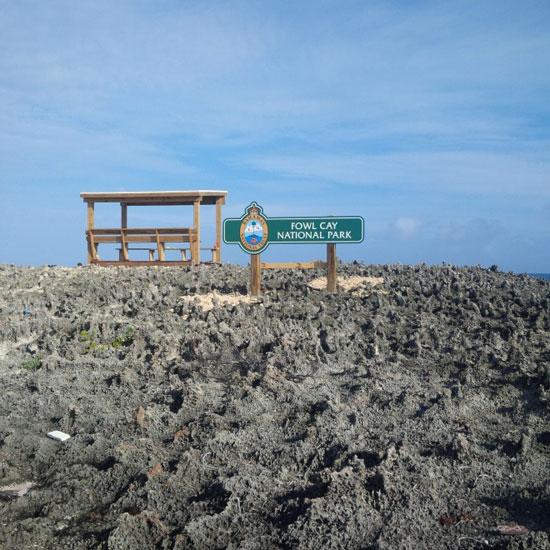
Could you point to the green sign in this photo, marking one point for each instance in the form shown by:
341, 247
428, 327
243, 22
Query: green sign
254, 231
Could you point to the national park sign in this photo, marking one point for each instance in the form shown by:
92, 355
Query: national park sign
254, 231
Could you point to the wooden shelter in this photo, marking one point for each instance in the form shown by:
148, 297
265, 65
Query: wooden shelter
153, 239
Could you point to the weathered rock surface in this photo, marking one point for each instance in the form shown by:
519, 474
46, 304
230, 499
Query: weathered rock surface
414, 414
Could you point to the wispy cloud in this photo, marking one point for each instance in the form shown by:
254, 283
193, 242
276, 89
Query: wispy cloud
219, 70
471, 172
406, 227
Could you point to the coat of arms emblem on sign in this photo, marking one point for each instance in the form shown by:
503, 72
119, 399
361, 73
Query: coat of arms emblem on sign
254, 230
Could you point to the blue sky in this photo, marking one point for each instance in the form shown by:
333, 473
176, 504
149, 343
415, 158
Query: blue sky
429, 119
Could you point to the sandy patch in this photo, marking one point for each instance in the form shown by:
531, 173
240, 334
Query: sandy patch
360, 286
354, 284
213, 299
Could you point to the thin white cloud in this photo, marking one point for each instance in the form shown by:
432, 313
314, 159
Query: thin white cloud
483, 232
407, 227
470, 172
49, 149
214, 71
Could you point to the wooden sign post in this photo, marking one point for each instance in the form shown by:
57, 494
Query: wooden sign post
255, 275
331, 267
254, 231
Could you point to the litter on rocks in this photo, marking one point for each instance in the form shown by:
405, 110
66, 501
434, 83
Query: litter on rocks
58, 436
16, 490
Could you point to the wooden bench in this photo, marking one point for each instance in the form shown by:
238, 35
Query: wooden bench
213, 250
183, 251
128, 236
150, 250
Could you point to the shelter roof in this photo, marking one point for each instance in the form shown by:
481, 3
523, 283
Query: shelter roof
156, 198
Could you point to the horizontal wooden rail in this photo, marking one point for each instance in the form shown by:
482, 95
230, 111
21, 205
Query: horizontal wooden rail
143, 231
142, 263
145, 239
291, 265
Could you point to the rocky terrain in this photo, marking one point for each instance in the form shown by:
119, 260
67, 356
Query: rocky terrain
408, 411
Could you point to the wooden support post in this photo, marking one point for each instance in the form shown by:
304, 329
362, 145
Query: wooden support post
218, 254
91, 246
197, 227
160, 247
124, 246
331, 267
255, 275
192, 247
123, 254
123, 215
